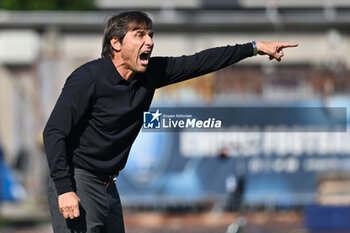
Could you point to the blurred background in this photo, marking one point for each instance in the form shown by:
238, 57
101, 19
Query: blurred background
189, 182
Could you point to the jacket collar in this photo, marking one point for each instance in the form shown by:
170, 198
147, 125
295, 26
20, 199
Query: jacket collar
111, 71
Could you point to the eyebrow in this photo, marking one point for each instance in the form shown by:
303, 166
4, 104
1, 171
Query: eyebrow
150, 32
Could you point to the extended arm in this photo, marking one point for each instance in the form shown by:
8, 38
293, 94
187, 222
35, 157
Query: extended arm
177, 69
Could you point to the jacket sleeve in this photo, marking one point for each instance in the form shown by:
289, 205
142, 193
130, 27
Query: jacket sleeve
177, 69
73, 102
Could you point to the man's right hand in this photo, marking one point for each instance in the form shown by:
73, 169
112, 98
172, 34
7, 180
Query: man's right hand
68, 203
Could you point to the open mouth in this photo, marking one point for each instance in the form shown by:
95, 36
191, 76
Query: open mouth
144, 57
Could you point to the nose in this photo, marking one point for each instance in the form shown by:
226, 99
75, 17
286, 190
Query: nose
149, 41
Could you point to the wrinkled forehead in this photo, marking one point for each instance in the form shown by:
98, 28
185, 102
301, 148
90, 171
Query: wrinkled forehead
134, 26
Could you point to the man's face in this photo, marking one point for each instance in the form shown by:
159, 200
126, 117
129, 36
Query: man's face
136, 49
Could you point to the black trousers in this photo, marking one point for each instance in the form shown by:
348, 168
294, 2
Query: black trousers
100, 206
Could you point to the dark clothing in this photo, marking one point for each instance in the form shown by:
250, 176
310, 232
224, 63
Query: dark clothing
100, 206
98, 114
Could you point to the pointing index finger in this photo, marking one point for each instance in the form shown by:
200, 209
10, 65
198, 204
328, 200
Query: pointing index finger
286, 45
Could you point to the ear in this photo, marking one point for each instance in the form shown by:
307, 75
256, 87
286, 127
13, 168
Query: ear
115, 44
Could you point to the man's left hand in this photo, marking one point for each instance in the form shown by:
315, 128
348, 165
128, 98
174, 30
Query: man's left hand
273, 49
